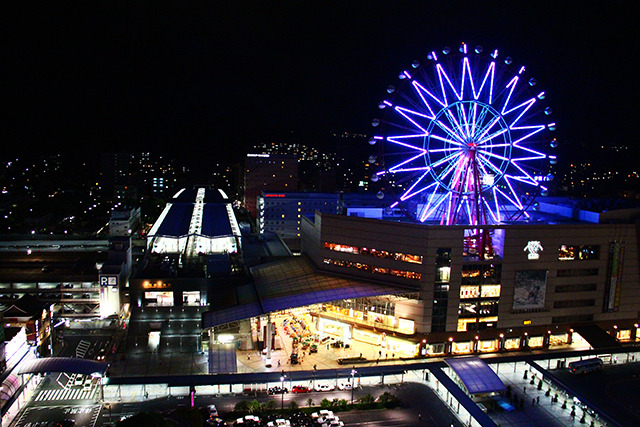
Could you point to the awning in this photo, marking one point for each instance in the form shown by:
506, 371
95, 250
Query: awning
477, 376
63, 364
597, 337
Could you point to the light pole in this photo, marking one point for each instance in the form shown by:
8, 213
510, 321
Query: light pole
282, 392
353, 373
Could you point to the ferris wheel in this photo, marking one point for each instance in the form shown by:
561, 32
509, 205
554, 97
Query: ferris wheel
463, 139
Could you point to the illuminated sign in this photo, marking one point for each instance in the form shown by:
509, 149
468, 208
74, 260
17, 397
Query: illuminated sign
533, 247
108, 280
526, 322
274, 195
156, 285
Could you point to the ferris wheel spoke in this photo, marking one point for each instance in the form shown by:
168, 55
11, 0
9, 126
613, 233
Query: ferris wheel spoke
439, 138
487, 162
493, 135
515, 200
448, 131
405, 113
525, 106
396, 167
490, 154
511, 86
409, 194
524, 172
455, 124
465, 120
441, 73
420, 90
487, 128
535, 130
524, 180
488, 76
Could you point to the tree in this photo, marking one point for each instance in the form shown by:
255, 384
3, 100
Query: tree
242, 406
293, 405
310, 402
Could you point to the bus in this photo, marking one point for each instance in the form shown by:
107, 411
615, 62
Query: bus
585, 366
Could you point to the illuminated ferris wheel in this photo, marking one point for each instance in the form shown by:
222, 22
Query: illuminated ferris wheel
463, 139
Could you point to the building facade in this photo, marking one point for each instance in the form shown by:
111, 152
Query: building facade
500, 288
268, 172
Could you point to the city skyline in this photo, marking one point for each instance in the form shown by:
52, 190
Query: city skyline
225, 76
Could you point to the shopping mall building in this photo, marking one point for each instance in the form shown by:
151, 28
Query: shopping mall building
409, 288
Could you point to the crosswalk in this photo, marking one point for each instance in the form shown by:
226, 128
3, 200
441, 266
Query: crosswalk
65, 394
81, 349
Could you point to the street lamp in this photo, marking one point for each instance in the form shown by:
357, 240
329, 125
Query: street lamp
282, 392
353, 373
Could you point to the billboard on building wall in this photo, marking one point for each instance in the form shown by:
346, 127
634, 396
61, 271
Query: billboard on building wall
614, 276
530, 289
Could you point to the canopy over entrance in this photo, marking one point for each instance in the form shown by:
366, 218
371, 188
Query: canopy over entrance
476, 376
597, 337
63, 364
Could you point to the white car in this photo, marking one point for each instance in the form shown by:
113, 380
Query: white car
345, 386
325, 387
213, 411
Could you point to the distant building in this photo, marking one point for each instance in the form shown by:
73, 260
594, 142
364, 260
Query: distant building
268, 172
124, 221
281, 213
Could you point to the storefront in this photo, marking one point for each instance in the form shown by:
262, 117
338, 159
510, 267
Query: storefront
158, 298
401, 347
366, 336
536, 342
463, 347
558, 340
488, 345
512, 343
334, 328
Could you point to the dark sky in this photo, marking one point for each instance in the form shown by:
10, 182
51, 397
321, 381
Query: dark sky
203, 82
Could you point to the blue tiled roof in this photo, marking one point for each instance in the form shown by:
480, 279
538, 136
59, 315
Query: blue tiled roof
215, 221
177, 221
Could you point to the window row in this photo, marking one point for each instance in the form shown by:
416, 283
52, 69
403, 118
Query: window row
374, 269
578, 252
475, 291
398, 256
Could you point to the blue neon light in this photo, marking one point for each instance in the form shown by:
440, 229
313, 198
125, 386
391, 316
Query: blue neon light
463, 139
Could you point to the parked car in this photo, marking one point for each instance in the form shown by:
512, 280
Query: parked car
101, 355
345, 386
213, 411
300, 389
325, 387
277, 390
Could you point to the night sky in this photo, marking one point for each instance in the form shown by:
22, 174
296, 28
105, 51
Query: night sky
209, 82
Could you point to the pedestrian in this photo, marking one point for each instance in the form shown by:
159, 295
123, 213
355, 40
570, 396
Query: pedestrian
419, 417
533, 402
278, 363
524, 389
248, 357
393, 355
538, 400
380, 353
314, 367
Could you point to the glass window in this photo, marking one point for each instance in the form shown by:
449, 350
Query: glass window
578, 252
